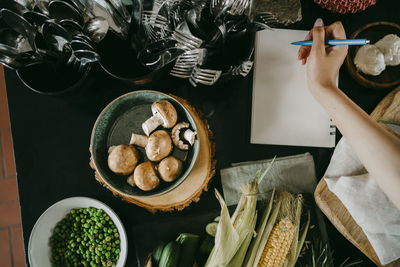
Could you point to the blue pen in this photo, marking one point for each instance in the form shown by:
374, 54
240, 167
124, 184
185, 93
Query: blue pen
336, 42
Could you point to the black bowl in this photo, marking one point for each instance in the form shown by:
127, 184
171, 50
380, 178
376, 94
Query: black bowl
45, 79
119, 60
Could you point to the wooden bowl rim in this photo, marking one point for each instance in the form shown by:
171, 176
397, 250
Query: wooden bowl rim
353, 69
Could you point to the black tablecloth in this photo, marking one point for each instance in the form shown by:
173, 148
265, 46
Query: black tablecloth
51, 134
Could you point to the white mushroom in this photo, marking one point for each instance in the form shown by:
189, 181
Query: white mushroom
145, 176
164, 114
182, 130
130, 180
170, 168
158, 145
122, 159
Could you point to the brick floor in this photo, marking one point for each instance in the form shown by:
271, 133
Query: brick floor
11, 243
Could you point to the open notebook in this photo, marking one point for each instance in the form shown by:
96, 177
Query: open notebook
284, 111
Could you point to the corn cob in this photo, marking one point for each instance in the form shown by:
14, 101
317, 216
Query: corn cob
278, 244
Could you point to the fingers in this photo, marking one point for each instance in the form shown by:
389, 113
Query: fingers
304, 51
318, 33
335, 31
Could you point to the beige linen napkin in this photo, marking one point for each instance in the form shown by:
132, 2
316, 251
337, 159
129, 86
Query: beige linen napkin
294, 174
347, 178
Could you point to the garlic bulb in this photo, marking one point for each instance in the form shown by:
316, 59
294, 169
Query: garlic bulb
390, 48
370, 60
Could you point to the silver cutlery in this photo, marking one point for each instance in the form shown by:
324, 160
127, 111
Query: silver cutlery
155, 26
121, 9
96, 29
185, 38
186, 62
204, 76
239, 7
20, 25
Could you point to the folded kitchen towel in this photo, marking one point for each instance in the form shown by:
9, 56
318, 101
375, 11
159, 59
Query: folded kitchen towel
295, 174
372, 210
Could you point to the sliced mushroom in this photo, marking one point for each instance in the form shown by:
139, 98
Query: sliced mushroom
122, 159
130, 180
158, 145
164, 114
145, 176
182, 129
189, 136
170, 168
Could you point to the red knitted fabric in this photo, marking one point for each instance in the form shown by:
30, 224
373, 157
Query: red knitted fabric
345, 6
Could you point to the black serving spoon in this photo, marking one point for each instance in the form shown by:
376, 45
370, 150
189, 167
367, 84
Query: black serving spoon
20, 25
60, 10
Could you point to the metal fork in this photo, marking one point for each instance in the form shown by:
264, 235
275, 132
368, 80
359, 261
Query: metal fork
185, 38
204, 76
155, 25
266, 18
239, 7
186, 62
243, 69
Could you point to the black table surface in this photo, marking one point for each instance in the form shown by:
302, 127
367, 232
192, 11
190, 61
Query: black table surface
51, 134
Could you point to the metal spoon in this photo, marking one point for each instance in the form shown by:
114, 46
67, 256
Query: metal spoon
80, 45
121, 9
71, 26
55, 36
8, 50
20, 25
61, 10
82, 38
96, 29
14, 6
43, 6
10, 62
101, 8
36, 19
137, 39
136, 20
15, 40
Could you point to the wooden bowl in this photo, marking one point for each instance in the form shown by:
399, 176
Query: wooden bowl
115, 125
374, 32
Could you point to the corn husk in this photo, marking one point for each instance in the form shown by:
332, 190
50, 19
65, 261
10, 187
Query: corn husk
303, 236
291, 258
238, 259
251, 255
284, 206
234, 234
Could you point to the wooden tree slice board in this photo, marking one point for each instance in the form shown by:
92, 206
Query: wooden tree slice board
192, 187
333, 208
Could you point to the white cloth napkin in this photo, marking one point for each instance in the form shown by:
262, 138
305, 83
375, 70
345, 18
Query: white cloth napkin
373, 211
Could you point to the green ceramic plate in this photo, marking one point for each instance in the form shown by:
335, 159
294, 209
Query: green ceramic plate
115, 125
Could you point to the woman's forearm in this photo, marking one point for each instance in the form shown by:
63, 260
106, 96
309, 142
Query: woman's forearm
376, 148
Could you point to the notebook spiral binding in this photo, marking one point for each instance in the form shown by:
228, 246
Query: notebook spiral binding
333, 127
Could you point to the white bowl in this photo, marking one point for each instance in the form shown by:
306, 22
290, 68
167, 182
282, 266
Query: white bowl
38, 247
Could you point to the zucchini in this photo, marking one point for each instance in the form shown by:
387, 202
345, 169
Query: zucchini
189, 245
157, 252
170, 255
205, 249
211, 228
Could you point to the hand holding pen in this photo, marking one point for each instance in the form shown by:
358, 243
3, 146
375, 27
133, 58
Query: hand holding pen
333, 32
323, 62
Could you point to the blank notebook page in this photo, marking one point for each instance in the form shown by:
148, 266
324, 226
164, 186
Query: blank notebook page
284, 112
